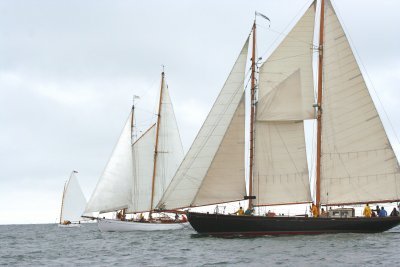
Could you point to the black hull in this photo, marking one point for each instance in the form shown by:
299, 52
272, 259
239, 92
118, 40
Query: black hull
220, 224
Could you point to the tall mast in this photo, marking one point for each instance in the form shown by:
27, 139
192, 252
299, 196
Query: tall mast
132, 137
132, 120
62, 201
133, 133
252, 111
319, 102
156, 145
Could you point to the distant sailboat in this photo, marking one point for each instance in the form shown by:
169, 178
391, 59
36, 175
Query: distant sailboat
355, 162
73, 203
138, 173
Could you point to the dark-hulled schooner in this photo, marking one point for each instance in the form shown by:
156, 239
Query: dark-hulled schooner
355, 162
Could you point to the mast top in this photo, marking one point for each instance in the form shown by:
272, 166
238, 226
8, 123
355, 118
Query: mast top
163, 66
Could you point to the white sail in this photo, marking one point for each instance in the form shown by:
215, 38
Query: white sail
357, 162
74, 201
225, 180
286, 98
114, 189
290, 68
170, 150
280, 166
143, 162
212, 147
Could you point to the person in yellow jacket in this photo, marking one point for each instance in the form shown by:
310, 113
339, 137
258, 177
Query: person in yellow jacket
240, 211
314, 210
367, 211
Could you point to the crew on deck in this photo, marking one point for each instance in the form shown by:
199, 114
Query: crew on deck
141, 218
377, 210
239, 212
394, 212
314, 210
249, 211
121, 215
382, 212
324, 213
367, 211
270, 214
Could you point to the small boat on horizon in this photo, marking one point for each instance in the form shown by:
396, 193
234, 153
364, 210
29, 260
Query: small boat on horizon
73, 203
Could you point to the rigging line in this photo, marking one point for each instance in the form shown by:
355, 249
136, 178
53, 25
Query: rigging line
314, 46
145, 110
214, 128
285, 29
366, 72
233, 117
286, 148
284, 58
149, 89
219, 119
315, 63
191, 161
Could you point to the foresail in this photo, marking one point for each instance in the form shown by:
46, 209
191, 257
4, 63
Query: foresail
143, 163
358, 164
225, 180
286, 98
212, 144
74, 201
170, 150
113, 191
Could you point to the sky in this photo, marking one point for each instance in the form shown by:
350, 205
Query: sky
69, 70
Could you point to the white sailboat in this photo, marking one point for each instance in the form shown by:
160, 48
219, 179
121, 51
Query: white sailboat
138, 173
355, 162
73, 203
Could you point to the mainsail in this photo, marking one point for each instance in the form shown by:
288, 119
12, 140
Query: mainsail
114, 189
74, 202
213, 169
358, 164
170, 150
143, 159
286, 98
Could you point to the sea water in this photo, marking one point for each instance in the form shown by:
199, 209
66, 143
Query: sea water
49, 245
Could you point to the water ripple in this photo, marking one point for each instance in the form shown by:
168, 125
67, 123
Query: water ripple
48, 245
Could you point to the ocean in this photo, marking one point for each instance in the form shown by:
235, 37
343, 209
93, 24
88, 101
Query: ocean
49, 245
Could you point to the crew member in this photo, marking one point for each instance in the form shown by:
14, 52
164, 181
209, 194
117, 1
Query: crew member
239, 212
383, 212
367, 211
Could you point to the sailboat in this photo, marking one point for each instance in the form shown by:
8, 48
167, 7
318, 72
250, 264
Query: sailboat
73, 203
354, 160
138, 173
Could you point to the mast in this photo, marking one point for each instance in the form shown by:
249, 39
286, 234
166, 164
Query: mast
132, 120
252, 111
62, 200
156, 145
319, 107
132, 138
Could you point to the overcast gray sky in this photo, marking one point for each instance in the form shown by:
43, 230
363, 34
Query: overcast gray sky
69, 69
